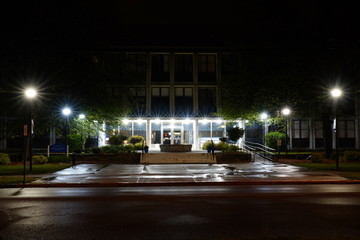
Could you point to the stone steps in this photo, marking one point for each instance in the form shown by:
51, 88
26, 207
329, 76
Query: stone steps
177, 158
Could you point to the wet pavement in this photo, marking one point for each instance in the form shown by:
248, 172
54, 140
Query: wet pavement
257, 171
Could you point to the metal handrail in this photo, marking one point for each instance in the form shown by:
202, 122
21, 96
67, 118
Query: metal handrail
265, 151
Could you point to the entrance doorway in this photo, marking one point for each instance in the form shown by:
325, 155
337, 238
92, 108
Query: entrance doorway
170, 132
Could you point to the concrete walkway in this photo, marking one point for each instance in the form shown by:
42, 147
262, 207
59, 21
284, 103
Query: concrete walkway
133, 174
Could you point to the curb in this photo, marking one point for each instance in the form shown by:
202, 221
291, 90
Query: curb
150, 184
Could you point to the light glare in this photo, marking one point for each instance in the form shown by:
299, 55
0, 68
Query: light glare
336, 92
264, 116
66, 111
30, 93
286, 111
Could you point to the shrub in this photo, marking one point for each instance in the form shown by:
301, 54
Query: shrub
223, 139
232, 148
117, 139
129, 148
39, 159
207, 145
111, 149
139, 146
59, 159
4, 158
351, 156
95, 150
135, 139
235, 133
317, 157
272, 137
221, 146
75, 142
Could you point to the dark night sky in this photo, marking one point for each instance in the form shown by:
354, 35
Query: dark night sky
295, 23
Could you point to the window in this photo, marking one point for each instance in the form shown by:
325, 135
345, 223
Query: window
319, 134
230, 63
300, 133
207, 68
160, 68
160, 101
207, 100
346, 130
183, 101
183, 68
136, 63
137, 101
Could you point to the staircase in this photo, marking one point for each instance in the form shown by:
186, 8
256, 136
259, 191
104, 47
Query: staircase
177, 157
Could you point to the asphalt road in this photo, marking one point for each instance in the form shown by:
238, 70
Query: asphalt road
193, 212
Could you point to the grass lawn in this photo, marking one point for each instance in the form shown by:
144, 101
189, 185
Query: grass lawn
347, 170
4, 180
6, 170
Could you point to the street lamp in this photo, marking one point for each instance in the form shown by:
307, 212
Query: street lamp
336, 93
286, 112
66, 111
30, 94
263, 117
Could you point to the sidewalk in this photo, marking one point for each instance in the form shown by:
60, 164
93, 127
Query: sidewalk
258, 172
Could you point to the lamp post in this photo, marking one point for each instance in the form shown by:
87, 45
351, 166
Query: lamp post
336, 93
286, 112
263, 117
30, 94
66, 111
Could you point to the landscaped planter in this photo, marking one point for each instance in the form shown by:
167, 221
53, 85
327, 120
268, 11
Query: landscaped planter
233, 157
133, 158
299, 156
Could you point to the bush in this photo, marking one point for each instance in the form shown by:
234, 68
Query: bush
76, 142
129, 148
95, 150
39, 159
235, 133
117, 139
221, 146
4, 158
59, 159
223, 139
351, 156
317, 157
111, 149
271, 140
135, 139
207, 145
232, 148
139, 146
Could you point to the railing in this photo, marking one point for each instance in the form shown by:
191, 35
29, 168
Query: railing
259, 149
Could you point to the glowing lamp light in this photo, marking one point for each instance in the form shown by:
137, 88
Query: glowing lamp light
126, 121
204, 121
264, 116
66, 111
30, 93
336, 92
157, 121
139, 121
286, 111
187, 121
81, 116
219, 121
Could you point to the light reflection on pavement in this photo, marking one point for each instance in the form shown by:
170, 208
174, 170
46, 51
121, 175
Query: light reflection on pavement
174, 173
